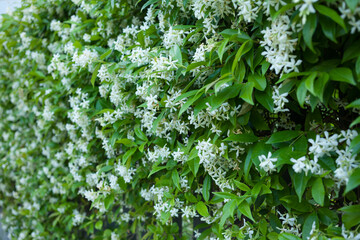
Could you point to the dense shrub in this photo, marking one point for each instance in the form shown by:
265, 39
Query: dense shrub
165, 119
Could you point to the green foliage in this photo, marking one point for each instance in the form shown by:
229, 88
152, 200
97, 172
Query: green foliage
172, 119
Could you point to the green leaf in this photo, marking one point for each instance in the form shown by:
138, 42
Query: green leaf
109, 200
342, 75
307, 227
194, 165
141, 38
183, 27
243, 138
126, 142
202, 209
258, 121
235, 35
224, 95
140, 134
309, 82
356, 121
176, 179
228, 211
105, 54
283, 136
227, 33
327, 216
225, 195
354, 104
206, 188
318, 191
175, 52
94, 75
128, 154
244, 208
252, 156
320, 83
227, 79
164, 217
283, 9
291, 75
157, 121
328, 27
265, 100
351, 52
292, 202
240, 74
195, 65
299, 181
245, 47
288, 236
95, 37
258, 80
327, 163
354, 181
189, 102
186, 95
222, 48
242, 186
331, 14
105, 169
352, 4
99, 225
248, 163
301, 93
357, 68
155, 169
190, 197
148, 3
246, 92
309, 29
351, 215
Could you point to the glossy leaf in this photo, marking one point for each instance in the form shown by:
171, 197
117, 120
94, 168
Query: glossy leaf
202, 209
318, 191
342, 75
206, 188
283, 136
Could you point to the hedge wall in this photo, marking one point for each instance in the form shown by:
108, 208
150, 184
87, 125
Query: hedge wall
180, 119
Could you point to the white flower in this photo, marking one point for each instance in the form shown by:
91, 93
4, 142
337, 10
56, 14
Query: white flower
77, 218
348, 234
355, 25
279, 100
348, 136
87, 37
330, 143
299, 164
279, 45
125, 173
173, 37
267, 163
55, 26
306, 8
286, 219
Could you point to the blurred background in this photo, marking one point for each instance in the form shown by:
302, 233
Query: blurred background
8, 4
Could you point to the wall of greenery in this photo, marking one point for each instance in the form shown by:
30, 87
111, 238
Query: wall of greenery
133, 119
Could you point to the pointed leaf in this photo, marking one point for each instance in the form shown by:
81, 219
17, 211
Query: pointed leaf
202, 209
206, 188
318, 191
331, 14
